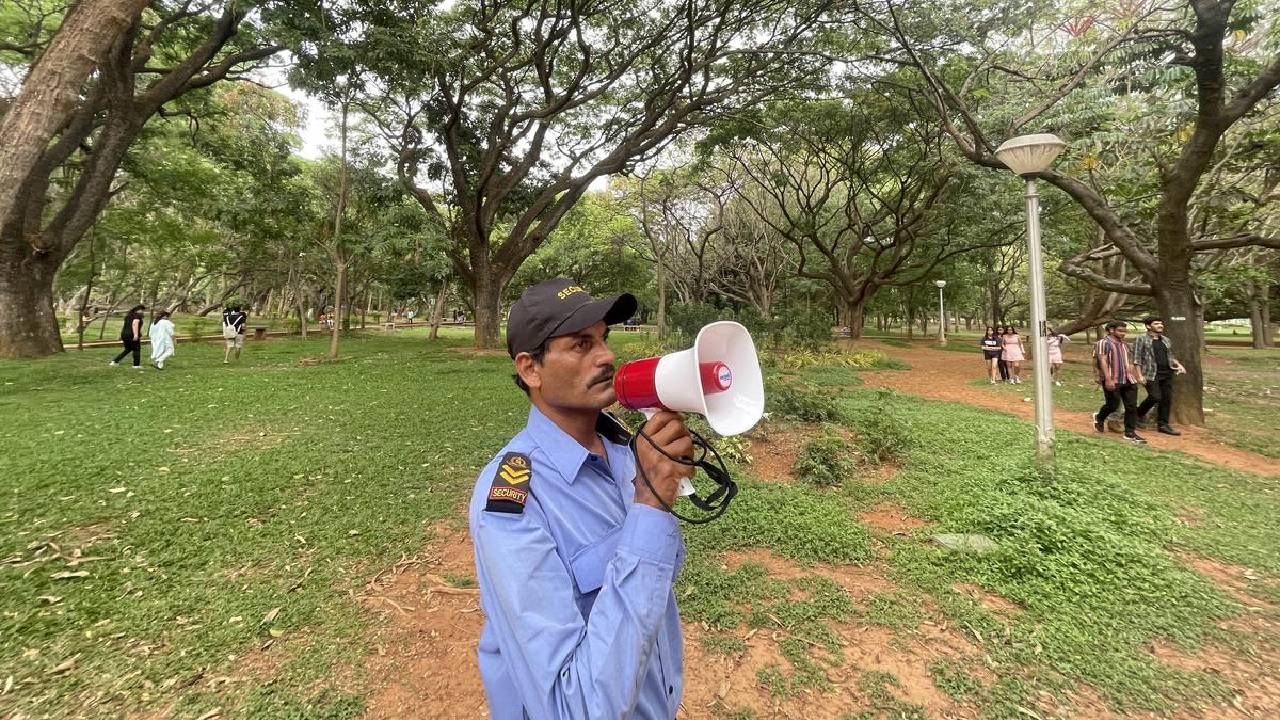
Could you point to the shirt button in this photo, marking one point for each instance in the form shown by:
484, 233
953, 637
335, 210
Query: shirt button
671, 690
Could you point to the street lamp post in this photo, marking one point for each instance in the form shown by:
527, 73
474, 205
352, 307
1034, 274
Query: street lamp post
942, 313
1027, 155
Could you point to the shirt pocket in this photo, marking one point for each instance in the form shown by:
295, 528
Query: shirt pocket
589, 565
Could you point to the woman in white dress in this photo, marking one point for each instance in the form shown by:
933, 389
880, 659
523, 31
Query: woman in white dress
1055, 340
161, 335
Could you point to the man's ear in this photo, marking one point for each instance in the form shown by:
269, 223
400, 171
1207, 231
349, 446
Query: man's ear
529, 370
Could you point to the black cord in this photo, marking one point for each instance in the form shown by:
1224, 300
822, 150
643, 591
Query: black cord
714, 504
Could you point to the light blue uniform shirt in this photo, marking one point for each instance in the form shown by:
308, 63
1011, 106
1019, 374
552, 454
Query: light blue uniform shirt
580, 615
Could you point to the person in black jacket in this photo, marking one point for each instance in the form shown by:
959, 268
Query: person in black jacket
131, 337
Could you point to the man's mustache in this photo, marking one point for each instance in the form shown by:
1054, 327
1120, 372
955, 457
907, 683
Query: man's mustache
605, 375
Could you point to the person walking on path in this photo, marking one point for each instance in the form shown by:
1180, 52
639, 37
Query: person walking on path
1153, 353
990, 344
1054, 341
131, 337
1001, 365
233, 321
1013, 353
1119, 378
161, 335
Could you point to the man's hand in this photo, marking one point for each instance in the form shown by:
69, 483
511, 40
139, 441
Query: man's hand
668, 432
1109, 384
1177, 367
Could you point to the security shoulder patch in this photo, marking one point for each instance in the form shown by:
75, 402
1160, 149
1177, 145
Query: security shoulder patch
510, 488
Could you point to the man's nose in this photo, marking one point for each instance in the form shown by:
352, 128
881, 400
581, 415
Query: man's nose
607, 356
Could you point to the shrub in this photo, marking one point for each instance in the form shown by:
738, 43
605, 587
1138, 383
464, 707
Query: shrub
825, 462
808, 330
883, 435
802, 402
196, 326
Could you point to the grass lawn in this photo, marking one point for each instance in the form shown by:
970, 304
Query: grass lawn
179, 541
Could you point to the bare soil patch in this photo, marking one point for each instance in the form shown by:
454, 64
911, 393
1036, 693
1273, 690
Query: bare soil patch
1236, 580
892, 518
990, 600
774, 453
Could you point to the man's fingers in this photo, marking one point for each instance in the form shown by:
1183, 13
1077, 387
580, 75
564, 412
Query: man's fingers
672, 428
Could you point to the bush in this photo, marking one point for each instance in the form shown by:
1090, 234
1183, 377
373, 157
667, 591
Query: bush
292, 324
883, 435
802, 402
196, 326
808, 330
825, 462
686, 319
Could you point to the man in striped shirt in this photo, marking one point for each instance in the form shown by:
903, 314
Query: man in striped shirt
1119, 378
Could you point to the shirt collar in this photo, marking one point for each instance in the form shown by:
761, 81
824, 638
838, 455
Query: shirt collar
565, 453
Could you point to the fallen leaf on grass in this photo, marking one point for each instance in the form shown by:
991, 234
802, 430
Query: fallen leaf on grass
50, 599
65, 666
270, 617
216, 712
116, 490
8, 685
67, 574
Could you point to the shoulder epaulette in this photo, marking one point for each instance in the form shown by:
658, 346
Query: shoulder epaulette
510, 488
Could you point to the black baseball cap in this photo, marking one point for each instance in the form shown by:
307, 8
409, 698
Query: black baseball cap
560, 307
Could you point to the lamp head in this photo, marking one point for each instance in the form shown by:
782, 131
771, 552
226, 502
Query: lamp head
1027, 154
940, 283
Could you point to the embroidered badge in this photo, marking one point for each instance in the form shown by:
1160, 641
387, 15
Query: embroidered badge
510, 486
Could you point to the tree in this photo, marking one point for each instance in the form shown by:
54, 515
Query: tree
503, 113
852, 185
174, 49
1216, 84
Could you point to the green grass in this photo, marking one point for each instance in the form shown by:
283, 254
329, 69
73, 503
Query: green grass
211, 495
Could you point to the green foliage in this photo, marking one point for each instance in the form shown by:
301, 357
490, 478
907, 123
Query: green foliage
882, 434
825, 462
724, 644
198, 326
801, 401
807, 330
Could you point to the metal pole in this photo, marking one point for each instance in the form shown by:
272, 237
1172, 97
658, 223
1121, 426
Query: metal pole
1044, 392
942, 320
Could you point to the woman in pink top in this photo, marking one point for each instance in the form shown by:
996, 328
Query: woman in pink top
1011, 346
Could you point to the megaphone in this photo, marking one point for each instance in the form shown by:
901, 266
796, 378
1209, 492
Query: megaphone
718, 378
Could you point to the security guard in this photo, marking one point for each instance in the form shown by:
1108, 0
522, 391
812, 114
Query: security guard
576, 560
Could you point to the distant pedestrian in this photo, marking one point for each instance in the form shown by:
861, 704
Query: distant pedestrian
233, 322
131, 337
1001, 365
1119, 378
1013, 352
1054, 341
1153, 353
161, 335
990, 344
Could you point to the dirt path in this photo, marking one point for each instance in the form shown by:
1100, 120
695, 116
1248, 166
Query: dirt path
945, 375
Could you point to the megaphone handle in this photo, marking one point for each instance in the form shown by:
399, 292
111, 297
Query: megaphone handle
686, 487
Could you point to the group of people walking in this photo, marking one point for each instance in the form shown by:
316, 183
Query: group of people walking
1118, 368
1119, 371
162, 332
1004, 353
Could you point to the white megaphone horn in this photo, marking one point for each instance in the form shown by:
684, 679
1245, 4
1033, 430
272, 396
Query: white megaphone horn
718, 378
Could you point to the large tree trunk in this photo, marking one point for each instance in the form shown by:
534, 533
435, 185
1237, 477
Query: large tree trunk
28, 323
1183, 318
1256, 326
51, 90
853, 315
486, 291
